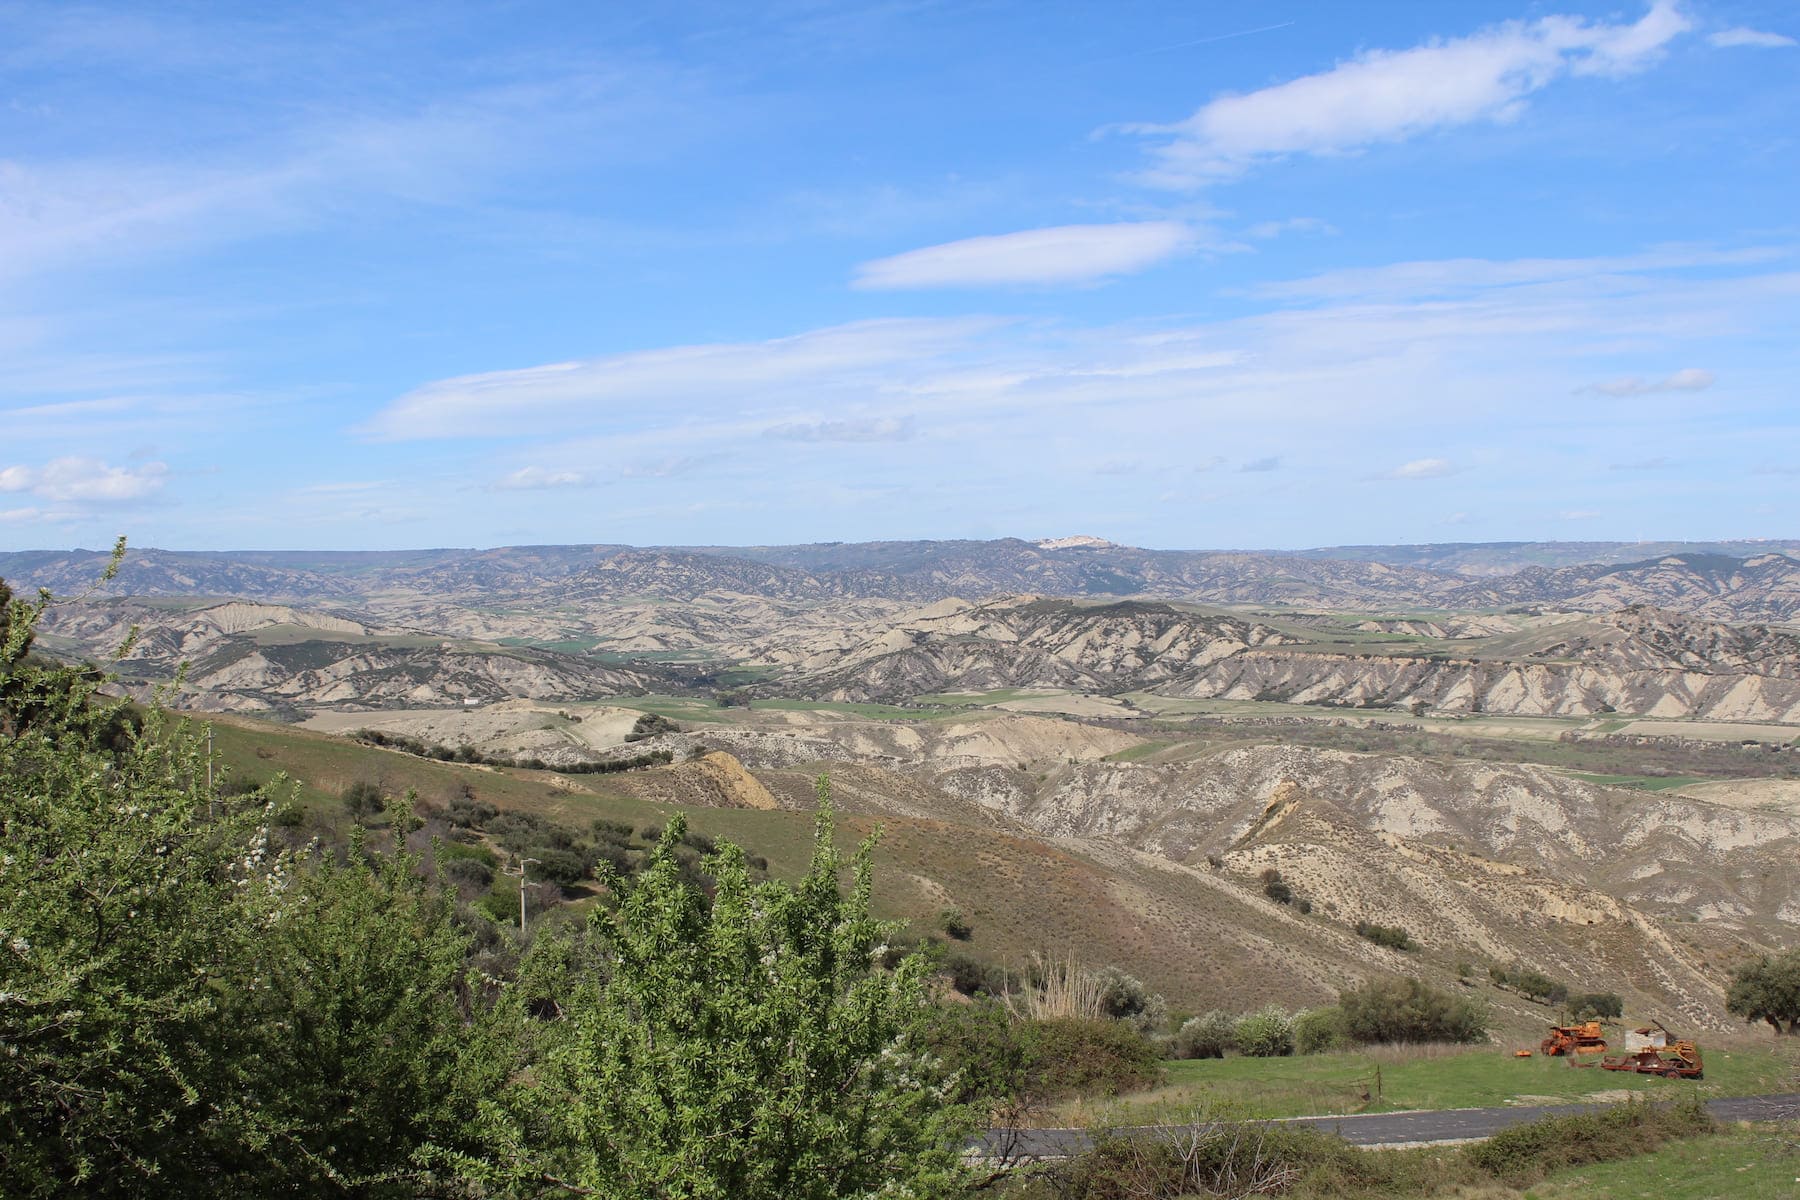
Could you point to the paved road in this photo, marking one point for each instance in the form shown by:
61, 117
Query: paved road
1391, 1129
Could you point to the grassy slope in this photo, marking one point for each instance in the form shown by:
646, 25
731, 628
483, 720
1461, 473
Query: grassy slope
1746, 1163
1423, 1078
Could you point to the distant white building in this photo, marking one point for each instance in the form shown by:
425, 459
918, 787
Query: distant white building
471, 702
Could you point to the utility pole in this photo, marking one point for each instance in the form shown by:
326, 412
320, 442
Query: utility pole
523, 863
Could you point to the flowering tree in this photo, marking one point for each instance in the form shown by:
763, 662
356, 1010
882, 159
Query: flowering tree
754, 1047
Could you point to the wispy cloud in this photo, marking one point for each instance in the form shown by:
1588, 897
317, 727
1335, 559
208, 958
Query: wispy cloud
1420, 468
1257, 465
1689, 379
76, 478
527, 479
601, 392
1391, 95
1740, 36
1063, 255
1578, 514
1263, 230
860, 429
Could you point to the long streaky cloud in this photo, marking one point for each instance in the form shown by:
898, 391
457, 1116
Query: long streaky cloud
1066, 254
1390, 95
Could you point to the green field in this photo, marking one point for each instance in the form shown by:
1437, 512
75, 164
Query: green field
1400, 1079
1756, 1162
1646, 783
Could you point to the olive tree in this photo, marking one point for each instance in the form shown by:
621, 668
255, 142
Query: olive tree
1768, 989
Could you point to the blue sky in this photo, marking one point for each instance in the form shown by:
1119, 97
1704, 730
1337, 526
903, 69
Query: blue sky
1251, 273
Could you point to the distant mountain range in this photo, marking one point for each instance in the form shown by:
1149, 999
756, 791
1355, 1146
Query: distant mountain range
1722, 581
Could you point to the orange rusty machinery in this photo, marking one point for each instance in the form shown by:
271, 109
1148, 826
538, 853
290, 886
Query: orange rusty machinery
1574, 1039
1677, 1060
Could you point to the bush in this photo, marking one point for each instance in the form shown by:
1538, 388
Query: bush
1529, 983
651, 725
1276, 888
955, 925
1408, 1010
1321, 1030
1524, 1154
1266, 1033
1205, 1036
467, 872
1125, 998
1596, 1006
363, 799
1080, 1056
1392, 936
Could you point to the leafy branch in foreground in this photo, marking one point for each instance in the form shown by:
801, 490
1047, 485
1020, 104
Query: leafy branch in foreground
754, 1047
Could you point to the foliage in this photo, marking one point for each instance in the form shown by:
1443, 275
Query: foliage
651, 725
467, 753
1321, 1030
750, 1048
1768, 989
1206, 1036
1394, 937
1070, 1056
1524, 1154
1210, 1155
1410, 1010
1266, 1033
1595, 1006
1125, 998
1529, 983
363, 799
184, 1012
954, 925
1276, 888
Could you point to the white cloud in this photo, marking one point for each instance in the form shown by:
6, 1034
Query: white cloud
1727, 38
1273, 463
1391, 95
1064, 254
1689, 379
19, 516
538, 478
1420, 468
619, 391
1578, 514
861, 429
1269, 229
77, 478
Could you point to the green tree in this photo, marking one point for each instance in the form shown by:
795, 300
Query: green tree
754, 1047
1410, 1010
116, 905
1768, 989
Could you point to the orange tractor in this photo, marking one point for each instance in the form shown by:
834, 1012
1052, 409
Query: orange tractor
1573, 1039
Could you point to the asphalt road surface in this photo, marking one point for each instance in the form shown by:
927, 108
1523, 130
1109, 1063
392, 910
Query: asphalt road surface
1387, 1129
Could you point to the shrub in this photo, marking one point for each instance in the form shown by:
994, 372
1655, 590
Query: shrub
1266, 1033
1392, 936
1409, 1010
1529, 983
1125, 998
651, 725
467, 872
1524, 1154
1320, 1030
1593, 1006
1078, 1056
363, 799
955, 925
1276, 888
1205, 1036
